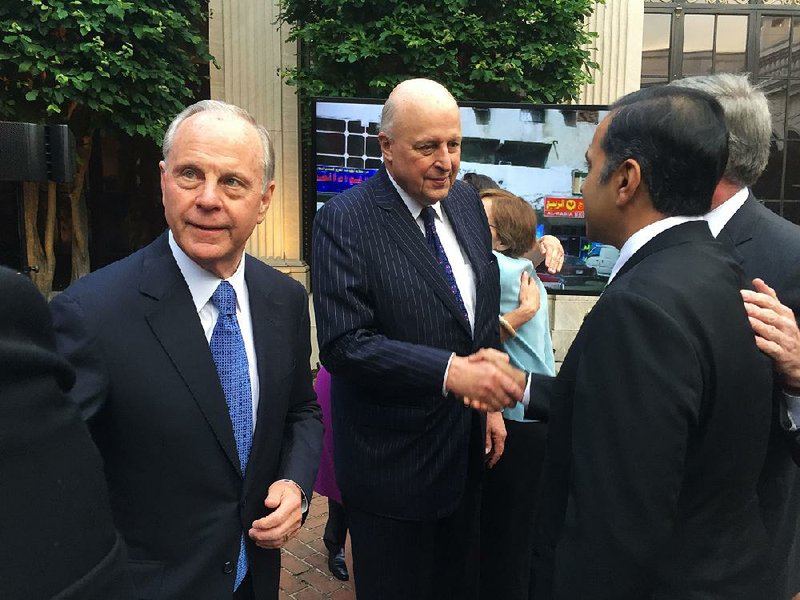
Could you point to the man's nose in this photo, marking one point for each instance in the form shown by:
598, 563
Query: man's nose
208, 195
443, 159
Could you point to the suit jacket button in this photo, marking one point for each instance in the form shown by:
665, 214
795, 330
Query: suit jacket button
227, 567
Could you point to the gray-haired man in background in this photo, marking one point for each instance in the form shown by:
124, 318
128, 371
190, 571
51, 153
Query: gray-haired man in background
767, 247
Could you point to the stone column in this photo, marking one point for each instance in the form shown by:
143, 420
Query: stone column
617, 49
249, 49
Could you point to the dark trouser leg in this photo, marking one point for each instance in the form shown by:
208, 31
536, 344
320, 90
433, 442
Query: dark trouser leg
507, 512
336, 527
421, 560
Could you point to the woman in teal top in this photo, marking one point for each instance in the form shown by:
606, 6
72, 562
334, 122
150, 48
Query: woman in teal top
509, 495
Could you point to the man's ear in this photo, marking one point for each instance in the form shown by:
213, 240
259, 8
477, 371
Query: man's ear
628, 177
386, 146
264, 203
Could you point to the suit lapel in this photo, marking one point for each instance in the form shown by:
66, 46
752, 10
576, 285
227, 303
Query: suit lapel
271, 346
455, 212
175, 324
404, 231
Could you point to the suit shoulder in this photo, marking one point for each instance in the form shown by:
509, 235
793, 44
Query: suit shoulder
780, 229
465, 190
270, 277
114, 278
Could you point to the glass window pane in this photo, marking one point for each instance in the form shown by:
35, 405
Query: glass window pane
794, 65
655, 45
774, 207
791, 211
776, 95
768, 185
649, 81
773, 57
698, 40
791, 189
731, 44
355, 145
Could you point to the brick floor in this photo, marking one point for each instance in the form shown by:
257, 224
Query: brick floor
304, 562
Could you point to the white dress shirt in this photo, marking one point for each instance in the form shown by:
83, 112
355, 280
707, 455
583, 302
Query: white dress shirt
719, 217
634, 243
202, 285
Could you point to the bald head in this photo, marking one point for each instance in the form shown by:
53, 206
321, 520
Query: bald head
420, 139
411, 96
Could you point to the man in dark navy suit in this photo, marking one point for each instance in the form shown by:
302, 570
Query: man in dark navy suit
405, 289
192, 364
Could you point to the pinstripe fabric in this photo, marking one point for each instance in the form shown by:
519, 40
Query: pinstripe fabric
387, 323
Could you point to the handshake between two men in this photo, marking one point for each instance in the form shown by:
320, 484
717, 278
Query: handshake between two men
486, 381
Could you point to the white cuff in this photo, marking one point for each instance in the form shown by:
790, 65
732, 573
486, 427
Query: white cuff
792, 421
446, 371
526, 396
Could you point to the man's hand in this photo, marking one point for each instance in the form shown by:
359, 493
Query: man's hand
274, 530
548, 249
495, 438
777, 334
500, 361
490, 385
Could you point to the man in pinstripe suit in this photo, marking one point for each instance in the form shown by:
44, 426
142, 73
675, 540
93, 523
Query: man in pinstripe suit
403, 296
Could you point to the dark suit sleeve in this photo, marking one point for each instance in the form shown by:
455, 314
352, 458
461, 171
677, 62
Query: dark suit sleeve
542, 391
80, 347
637, 397
791, 298
302, 434
347, 326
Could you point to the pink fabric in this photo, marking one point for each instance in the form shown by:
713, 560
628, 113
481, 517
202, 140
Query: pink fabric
326, 477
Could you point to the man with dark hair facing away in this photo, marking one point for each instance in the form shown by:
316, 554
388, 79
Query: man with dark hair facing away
658, 428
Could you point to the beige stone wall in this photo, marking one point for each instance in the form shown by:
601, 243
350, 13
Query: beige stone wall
249, 50
617, 49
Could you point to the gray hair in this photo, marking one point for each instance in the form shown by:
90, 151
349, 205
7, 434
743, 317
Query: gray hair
747, 117
387, 116
217, 106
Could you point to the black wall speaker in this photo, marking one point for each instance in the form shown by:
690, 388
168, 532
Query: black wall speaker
23, 155
30, 152
61, 158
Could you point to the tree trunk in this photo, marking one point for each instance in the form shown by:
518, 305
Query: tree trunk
43, 258
80, 215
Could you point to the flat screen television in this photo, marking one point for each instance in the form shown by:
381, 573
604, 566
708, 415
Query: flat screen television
535, 151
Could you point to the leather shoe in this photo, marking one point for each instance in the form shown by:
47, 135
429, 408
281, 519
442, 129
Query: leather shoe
337, 564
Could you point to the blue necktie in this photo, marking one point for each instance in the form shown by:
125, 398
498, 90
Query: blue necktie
227, 349
435, 245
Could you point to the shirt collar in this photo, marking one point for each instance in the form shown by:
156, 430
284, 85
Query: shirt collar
202, 283
634, 243
719, 217
413, 206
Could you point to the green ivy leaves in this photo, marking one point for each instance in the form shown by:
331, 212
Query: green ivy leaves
509, 50
129, 64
